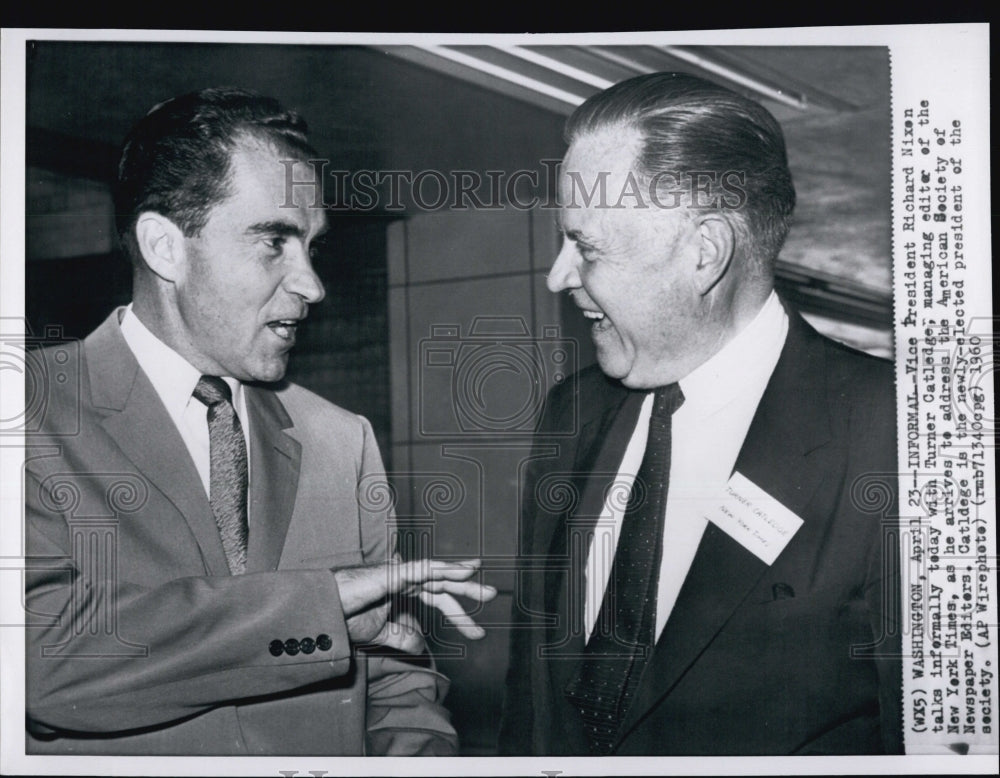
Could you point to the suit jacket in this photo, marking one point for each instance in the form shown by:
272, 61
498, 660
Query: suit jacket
139, 639
798, 657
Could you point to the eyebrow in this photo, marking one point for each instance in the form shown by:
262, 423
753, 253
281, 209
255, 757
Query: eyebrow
575, 235
578, 236
282, 229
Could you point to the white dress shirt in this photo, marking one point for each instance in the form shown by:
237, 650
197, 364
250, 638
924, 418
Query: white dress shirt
707, 432
174, 379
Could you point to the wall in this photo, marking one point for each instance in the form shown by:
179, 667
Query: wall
467, 291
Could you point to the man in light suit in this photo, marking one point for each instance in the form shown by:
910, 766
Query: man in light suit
212, 561
708, 564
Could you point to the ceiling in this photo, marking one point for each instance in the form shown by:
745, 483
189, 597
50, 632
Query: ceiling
96, 90
561, 77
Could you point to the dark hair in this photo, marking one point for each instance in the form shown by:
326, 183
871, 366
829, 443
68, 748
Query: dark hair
689, 124
176, 159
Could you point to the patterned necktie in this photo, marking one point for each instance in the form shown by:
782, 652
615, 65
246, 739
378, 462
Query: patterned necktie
228, 482
624, 635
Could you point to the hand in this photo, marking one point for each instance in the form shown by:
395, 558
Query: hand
366, 595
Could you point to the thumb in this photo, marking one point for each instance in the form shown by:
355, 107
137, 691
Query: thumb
402, 636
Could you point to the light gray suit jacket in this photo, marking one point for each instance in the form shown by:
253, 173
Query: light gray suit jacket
141, 642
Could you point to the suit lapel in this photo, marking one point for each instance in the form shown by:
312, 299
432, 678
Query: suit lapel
781, 455
145, 433
274, 467
599, 455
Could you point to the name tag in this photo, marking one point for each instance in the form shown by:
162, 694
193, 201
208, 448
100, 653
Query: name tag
753, 518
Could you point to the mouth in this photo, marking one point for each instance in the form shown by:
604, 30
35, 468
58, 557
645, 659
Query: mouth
599, 320
284, 328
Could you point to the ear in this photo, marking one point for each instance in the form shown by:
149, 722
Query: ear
161, 243
717, 247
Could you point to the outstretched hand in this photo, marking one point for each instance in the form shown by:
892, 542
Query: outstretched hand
366, 594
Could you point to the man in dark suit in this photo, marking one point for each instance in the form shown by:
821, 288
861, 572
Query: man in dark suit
212, 564
707, 562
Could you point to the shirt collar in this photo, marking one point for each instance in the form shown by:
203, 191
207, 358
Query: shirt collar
172, 376
743, 366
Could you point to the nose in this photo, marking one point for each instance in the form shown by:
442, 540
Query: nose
302, 280
565, 272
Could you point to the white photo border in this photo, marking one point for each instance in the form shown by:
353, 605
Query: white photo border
946, 64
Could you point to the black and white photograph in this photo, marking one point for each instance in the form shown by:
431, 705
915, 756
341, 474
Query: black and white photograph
573, 404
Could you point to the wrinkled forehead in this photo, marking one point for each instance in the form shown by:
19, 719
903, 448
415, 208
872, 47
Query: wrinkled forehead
613, 149
267, 162
603, 193
263, 175
599, 160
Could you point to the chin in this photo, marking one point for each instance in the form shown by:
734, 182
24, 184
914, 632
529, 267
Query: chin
269, 374
629, 376
613, 367
632, 382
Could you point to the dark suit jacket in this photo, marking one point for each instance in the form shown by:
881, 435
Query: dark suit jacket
799, 657
141, 642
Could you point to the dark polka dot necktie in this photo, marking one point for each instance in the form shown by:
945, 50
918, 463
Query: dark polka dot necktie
624, 635
228, 482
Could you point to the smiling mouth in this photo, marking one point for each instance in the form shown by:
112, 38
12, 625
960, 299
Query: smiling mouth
599, 321
284, 328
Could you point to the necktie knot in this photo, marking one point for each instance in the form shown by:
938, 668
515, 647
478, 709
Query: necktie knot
212, 390
667, 399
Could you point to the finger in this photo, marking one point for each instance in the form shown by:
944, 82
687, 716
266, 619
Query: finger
365, 625
402, 634
360, 587
421, 570
471, 589
408, 620
454, 613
